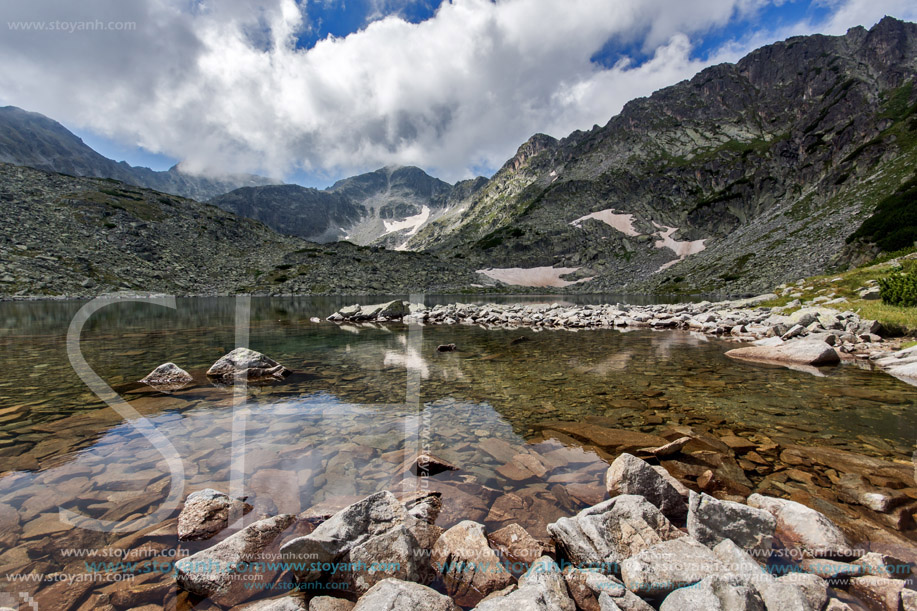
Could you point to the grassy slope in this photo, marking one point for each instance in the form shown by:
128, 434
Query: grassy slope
848, 284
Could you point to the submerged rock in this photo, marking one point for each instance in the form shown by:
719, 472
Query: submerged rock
246, 363
207, 512
211, 570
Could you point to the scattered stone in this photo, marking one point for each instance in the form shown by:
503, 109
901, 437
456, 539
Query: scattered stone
673, 447
378, 532
207, 512
168, 376
474, 570
774, 593
714, 593
427, 464
211, 570
516, 544
587, 587
800, 526
328, 603
631, 475
396, 595
247, 364
668, 566
878, 592
600, 537
541, 588
710, 521
286, 603
683, 490
881, 565
802, 352
813, 587
829, 569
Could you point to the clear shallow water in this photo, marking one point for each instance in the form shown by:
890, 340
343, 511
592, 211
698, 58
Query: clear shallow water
360, 397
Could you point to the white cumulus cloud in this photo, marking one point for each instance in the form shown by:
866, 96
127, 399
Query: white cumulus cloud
222, 85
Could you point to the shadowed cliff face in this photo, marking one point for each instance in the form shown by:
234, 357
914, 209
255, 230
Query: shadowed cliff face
771, 162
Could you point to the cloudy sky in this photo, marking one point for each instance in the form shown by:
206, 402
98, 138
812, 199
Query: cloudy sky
313, 90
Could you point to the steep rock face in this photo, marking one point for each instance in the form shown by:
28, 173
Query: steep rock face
315, 215
383, 208
744, 176
32, 139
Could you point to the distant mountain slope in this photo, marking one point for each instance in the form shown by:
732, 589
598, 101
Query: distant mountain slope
32, 139
318, 216
743, 177
68, 236
385, 207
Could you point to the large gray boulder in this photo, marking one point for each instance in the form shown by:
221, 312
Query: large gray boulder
211, 571
714, 593
246, 363
711, 520
668, 566
377, 533
804, 528
799, 352
467, 563
602, 536
207, 512
587, 588
397, 595
329, 603
541, 588
776, 594
812, 587
282, 603
631, 475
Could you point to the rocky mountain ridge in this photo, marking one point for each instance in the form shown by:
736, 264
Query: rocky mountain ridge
385, 207
67, 236
34, 140
745, 176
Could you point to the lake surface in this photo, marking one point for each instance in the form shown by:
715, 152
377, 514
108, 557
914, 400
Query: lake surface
362, 397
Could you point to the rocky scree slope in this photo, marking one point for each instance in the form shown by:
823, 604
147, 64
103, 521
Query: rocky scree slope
32, 139
384, 208
761, 169
68, 236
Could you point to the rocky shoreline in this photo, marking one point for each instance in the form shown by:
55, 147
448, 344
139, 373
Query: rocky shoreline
807, 337
653, 545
